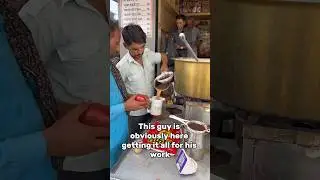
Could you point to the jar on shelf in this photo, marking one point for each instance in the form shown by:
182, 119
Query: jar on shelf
199, 7
194, 7
205, 7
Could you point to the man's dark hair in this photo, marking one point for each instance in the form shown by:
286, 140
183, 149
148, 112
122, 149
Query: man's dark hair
133, 33
181, 16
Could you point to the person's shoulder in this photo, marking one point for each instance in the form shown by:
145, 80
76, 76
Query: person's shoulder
153, 55
39, 8
148, 51
121, 62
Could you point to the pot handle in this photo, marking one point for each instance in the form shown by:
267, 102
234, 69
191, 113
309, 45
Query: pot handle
178, 119
207, 129
182, 131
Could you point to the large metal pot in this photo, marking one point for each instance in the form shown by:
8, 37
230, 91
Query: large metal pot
267, 56
192, 78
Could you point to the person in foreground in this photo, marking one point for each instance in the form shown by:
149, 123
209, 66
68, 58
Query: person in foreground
29, 134
70, 36
120, 102
137, 69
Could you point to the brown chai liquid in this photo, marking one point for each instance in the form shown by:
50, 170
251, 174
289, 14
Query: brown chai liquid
196, 126
158, 93
160, 87
164, 77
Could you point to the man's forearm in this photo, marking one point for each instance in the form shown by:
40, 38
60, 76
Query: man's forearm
164, 59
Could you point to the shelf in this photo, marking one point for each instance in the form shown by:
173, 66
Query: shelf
198, 15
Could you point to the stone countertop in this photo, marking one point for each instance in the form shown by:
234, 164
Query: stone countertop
134, 166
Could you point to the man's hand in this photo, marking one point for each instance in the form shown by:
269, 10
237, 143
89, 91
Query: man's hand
164, 68
69, 137
132, 105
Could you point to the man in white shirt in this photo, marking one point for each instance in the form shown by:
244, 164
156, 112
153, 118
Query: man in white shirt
71, 37
137, 69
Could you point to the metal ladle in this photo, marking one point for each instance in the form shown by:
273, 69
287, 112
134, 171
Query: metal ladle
183, 38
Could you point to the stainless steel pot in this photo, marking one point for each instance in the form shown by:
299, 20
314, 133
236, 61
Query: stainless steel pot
267, 56
195, 137
192, 78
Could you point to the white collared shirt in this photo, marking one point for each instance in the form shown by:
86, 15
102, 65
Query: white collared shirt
138, 78
71, 37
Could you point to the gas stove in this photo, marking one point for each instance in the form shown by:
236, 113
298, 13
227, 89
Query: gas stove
194, 109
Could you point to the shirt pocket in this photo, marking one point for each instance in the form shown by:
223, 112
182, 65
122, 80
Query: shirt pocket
78, 50
134, 78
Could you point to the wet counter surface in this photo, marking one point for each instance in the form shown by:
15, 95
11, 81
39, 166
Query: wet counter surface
134, 166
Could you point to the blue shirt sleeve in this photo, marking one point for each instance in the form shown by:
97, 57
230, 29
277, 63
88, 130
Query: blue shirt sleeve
23, 151
116, 110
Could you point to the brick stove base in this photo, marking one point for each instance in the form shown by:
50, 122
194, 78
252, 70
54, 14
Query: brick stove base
277, 150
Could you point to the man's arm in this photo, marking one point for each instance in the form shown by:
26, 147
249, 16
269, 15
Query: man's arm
164, 62
158, 58
23, 151
130, 105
